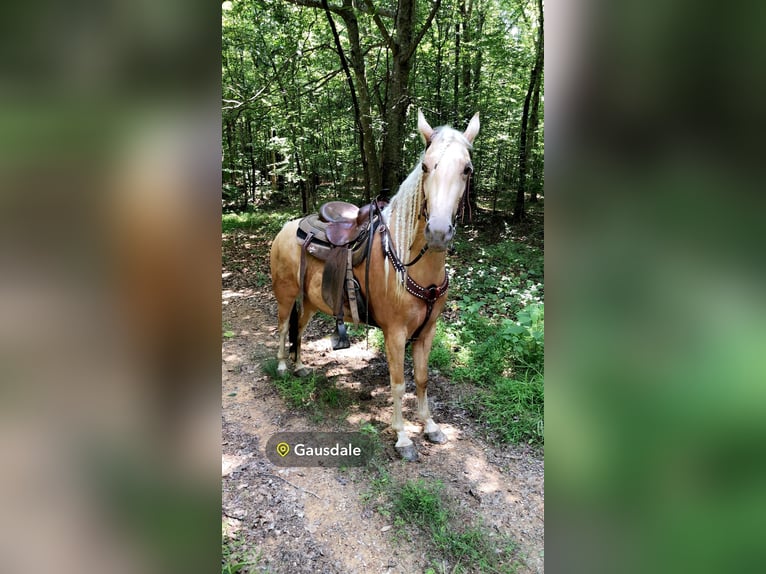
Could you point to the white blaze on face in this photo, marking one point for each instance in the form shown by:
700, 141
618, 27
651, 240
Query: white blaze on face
446, 169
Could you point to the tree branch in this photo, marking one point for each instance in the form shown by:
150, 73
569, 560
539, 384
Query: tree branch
312, 86
340, 9
424, 29
237, 104
379, 23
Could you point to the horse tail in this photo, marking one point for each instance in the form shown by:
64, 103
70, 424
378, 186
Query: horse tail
293, 332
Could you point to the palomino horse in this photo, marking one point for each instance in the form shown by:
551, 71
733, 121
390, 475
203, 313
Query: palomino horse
418, 226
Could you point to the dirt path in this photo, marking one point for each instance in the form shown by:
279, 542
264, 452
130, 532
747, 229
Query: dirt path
315, 519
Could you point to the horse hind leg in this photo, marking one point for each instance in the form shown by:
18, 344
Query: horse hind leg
301, 322
292, 324
286, 313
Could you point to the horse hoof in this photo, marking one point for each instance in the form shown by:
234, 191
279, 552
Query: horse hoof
304, 372
408, 453
437, 437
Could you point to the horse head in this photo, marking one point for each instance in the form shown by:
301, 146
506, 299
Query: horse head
446, 170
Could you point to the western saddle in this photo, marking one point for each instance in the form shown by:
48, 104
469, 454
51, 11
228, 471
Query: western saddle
341, 235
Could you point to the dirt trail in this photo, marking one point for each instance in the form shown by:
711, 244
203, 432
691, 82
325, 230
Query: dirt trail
315, 519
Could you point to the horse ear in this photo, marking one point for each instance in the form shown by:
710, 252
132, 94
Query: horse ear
425, 130
473, 128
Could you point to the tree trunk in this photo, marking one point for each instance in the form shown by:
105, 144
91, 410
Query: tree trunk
533, 124
398, 99
456, 76
440, 41
403, 48
359, 95
466, 12
372, 185
251, 156
477, 62
524, 140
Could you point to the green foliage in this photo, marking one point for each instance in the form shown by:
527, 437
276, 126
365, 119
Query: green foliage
420, 503
526, 336
266, 225
311, 392
513, 409
235, 559
501, 278
441, 352
288, 122
494, 337
505, 359
489, 349
467, 547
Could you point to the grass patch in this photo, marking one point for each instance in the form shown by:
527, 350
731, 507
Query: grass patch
457, 547
420, 504
310, 393
441, 352
503, 357
298, 392
235, 558
261, 223
513, 409
334, 398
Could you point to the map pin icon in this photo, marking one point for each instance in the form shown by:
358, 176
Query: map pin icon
283, 448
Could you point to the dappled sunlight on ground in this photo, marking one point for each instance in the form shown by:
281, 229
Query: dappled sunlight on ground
325, 509
228, 294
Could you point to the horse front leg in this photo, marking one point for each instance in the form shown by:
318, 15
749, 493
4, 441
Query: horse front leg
395, 343
421, 349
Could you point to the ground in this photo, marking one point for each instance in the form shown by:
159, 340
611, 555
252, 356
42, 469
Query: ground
297, 520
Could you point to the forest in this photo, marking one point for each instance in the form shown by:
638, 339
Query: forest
320, 102
320, 97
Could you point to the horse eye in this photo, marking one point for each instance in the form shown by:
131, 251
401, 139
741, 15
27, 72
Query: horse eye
425, 168
468, 169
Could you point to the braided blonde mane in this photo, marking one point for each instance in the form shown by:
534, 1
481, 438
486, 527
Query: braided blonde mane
401, 216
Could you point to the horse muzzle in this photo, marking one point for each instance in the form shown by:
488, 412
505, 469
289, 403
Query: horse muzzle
439, 234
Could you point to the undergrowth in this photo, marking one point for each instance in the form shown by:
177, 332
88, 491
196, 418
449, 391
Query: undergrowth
263, 224
456, 545
235, 558
494, 337
314, 391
